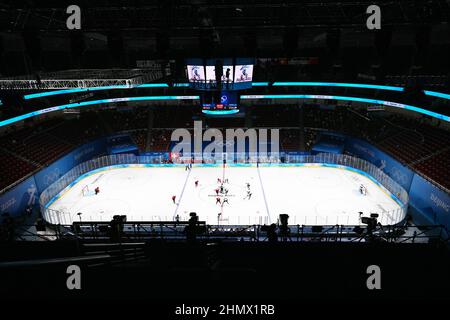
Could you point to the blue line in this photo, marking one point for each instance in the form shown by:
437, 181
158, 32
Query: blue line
264, 194
182, 192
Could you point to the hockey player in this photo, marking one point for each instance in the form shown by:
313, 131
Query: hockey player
196, 183
97, 190
248, 185
225, 200
174, 198
218, 200
219, 180
217, 191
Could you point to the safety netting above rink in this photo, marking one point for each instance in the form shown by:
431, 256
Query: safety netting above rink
376, 175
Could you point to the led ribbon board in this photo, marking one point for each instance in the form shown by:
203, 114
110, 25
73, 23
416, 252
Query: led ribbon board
281, 96
220, 112
255, 84
78, 90
93, 102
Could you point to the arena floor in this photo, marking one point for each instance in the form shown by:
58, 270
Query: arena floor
310, 194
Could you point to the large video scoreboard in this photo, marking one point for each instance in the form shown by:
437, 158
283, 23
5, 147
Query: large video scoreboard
234, 74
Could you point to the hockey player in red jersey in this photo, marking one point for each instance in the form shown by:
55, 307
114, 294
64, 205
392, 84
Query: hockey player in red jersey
173, 198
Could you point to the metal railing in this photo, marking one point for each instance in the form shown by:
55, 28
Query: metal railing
130, 231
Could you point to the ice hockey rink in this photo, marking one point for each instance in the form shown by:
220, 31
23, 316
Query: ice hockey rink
310, 194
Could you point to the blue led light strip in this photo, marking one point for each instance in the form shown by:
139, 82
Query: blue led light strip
78, 90
437, 94
344, 98
254, 84
281, 96
337, 84
220, 112
93, 102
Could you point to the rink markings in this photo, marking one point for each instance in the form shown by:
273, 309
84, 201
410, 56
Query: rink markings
185, 189
285, 165
264, 194
181, 195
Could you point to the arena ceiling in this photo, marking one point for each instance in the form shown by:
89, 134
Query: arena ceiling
189, 16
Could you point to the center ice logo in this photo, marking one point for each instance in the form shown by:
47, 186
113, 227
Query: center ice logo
237, 141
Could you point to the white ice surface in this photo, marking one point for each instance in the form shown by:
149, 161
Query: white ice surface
310, 195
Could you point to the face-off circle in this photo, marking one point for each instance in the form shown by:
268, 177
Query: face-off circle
235, 194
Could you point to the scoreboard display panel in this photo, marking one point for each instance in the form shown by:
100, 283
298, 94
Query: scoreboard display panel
223, 102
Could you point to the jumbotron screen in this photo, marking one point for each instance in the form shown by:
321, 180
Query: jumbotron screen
196, 73
236, 74
227, 73
243, 73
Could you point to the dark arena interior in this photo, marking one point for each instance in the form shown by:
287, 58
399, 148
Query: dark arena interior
238, 155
